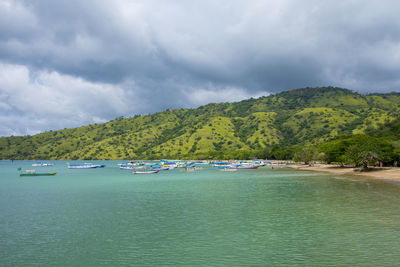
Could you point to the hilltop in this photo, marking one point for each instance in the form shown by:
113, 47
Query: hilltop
249, 128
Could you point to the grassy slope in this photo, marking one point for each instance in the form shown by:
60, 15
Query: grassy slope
319, 124
309, 115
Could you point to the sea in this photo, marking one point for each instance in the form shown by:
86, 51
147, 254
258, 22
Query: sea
263, 217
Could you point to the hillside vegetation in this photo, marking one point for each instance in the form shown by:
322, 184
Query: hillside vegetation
271, 126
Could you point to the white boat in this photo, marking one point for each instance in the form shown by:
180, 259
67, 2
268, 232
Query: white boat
221, 165
131, 167
240, 167
130, 163
144, 172
41, 164
123, 167
85, 166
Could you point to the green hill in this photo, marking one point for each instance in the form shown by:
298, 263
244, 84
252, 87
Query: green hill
227, 130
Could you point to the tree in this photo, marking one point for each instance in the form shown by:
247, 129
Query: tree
362, 156
359, 150
367, 150
334, 151
306, 154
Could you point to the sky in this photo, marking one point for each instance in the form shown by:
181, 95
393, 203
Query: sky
69, 63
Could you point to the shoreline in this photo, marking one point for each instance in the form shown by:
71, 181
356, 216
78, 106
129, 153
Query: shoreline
379, 173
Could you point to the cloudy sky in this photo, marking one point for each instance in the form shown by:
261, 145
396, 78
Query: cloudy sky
70, 63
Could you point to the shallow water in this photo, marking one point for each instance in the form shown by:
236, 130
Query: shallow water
264, 217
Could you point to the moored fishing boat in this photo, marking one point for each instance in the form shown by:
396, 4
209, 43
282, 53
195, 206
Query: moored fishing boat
131, 167
35, 173
243, 167
221, 165
41, 164
144, 172
85, 166
132, 163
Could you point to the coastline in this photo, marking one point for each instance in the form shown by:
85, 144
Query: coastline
380, 173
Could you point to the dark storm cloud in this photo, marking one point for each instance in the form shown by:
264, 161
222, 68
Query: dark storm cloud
97, 60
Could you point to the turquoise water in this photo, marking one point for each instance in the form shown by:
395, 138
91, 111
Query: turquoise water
264, 217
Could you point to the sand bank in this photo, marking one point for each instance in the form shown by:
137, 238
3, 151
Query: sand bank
385, 173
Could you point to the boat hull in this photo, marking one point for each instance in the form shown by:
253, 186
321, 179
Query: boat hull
144, 172
85, 166
38, 174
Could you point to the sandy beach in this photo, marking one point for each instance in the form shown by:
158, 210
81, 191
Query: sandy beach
384, 173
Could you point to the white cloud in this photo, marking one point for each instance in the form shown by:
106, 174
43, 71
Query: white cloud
34, 101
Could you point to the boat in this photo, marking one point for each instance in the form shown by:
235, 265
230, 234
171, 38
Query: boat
85, 166
221, 165
41, 164
124, 167
131, 167
144, 172
132, 163
35, 173
243, 167
170, 167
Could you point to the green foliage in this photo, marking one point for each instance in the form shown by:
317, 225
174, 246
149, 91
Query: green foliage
389, 130
334, 151
279, 152
359, 150
270, 127
306, 154
362, 155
